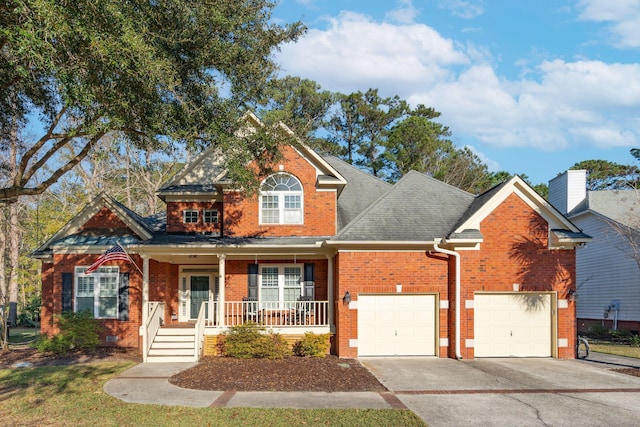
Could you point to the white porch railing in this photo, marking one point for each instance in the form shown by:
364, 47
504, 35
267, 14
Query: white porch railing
154, 322
199, 333
269, 313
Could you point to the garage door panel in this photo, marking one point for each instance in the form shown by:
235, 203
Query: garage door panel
512, 325
396, 325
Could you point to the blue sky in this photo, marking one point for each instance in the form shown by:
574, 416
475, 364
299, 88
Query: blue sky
531, 86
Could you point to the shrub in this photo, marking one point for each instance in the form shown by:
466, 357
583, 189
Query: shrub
251, 341
77, 331
315, 345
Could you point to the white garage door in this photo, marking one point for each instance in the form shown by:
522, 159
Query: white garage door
512, 325
397, 325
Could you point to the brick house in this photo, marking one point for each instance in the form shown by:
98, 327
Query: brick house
415, 268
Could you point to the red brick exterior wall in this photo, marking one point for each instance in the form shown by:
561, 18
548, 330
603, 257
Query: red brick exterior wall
241, 214
514, 251
175, 217
380, 272
126, 331
104, 219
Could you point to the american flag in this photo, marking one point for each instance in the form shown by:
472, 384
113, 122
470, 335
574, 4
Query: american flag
116, 253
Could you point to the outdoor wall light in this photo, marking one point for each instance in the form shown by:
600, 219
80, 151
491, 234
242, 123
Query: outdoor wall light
346, 298
572, 295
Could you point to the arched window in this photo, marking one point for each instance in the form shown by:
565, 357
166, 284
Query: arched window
281, 199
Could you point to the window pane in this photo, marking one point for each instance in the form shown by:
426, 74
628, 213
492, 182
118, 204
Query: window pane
83, 304
84, 287
292, 283
211, 216
270, 202
292, 217
291, 276
270, 276
270, 294
190, 216
292, 202
108, 307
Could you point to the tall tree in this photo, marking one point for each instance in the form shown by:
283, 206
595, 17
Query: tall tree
178, 70
419, 143
606, 175
302, 105
172, 69
362, 124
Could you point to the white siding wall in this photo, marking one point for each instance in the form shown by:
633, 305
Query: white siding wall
566, 191
605, 273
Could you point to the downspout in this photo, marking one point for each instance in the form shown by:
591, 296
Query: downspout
456, 255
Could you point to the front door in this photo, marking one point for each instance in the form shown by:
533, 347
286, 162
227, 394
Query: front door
199, 293
194, 289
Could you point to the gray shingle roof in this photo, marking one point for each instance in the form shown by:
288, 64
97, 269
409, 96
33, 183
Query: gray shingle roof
417, 208
622, 206
361, 190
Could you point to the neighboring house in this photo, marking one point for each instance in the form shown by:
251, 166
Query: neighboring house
608, 269
419, 268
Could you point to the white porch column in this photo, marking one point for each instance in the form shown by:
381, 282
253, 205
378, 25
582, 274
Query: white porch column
221, 297
331, 290
145, 290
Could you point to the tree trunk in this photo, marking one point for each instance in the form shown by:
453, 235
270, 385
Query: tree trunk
14, 240
4, 296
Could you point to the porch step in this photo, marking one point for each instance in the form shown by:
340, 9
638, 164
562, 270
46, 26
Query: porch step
171, 351
164, 331
173, 345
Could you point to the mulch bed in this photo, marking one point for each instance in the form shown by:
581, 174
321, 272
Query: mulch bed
329, 374
629, 371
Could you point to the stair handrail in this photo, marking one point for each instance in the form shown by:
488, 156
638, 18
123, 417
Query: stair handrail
154, 322
200, 330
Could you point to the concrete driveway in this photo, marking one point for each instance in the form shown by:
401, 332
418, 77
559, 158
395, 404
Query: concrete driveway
511, 392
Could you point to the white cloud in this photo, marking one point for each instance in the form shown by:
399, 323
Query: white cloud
356, 53
467, 9
555, 105
623, 17
405, 13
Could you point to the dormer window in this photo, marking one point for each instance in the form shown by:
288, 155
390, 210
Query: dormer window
281, 198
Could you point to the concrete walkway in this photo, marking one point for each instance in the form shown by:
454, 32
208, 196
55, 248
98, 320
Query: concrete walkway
148, 384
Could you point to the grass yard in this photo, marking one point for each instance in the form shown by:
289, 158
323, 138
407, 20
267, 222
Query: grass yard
617, 349
74, 396
23, 335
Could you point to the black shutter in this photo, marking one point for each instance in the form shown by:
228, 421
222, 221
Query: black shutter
309, 280
67, 292
253, 281
123, 297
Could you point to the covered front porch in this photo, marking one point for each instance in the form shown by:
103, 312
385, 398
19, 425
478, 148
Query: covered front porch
287, 294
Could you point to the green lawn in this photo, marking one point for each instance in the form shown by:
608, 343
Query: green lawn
23, 335
617, 349
73, 396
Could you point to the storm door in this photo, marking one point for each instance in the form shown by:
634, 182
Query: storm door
199, 293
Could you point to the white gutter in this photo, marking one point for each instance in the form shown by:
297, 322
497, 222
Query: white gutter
457, 257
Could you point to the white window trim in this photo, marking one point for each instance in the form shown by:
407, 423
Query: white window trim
204, 216
112, 271
281, 202
281, 281
184, 216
